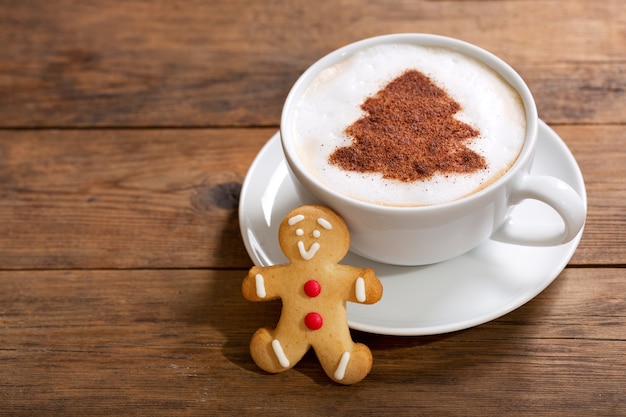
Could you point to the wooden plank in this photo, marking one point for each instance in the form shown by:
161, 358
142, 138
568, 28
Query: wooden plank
123, 198
174, 342
161, 63
601, 159
582, 92
153, 198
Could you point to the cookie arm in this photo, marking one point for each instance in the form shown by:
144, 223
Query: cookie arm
367, 288
258, 284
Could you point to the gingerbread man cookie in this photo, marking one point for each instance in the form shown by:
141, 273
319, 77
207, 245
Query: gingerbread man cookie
314, 289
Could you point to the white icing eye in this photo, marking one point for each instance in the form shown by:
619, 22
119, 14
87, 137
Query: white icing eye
295, 219
324, 223
299, 232
316, 233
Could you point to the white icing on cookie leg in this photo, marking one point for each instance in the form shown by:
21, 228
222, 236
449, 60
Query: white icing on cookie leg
280, 354
260, 286
360, 290
308, 254
340, 372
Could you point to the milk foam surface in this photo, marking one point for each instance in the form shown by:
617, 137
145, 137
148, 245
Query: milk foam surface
332, 102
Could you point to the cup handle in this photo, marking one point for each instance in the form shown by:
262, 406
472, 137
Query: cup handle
555, 193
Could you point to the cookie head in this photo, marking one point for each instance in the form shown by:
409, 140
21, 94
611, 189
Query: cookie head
314, 232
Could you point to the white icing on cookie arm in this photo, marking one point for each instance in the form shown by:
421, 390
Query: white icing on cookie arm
260, 286
367, 287
359, 289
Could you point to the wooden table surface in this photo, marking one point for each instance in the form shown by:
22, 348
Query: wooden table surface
126, 130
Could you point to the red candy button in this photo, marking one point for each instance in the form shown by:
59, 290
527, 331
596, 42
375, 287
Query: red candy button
312, 288
313, 321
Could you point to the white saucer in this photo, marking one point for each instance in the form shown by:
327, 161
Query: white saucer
472, 289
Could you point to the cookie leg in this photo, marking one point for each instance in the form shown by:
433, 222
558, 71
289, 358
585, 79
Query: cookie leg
349, 366
274, 352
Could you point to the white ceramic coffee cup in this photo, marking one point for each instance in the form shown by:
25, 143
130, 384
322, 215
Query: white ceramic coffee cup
422, 235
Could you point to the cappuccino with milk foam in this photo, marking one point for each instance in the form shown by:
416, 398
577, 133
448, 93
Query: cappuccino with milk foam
478, 99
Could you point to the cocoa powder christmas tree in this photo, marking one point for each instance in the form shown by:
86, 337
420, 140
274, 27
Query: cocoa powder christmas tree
409, 133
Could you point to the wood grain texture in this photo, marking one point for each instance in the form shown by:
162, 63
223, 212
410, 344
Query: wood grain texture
231, 63
176, 343
602, 161
123, 198
169, 198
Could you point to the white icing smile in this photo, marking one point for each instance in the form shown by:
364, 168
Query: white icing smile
308, 254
